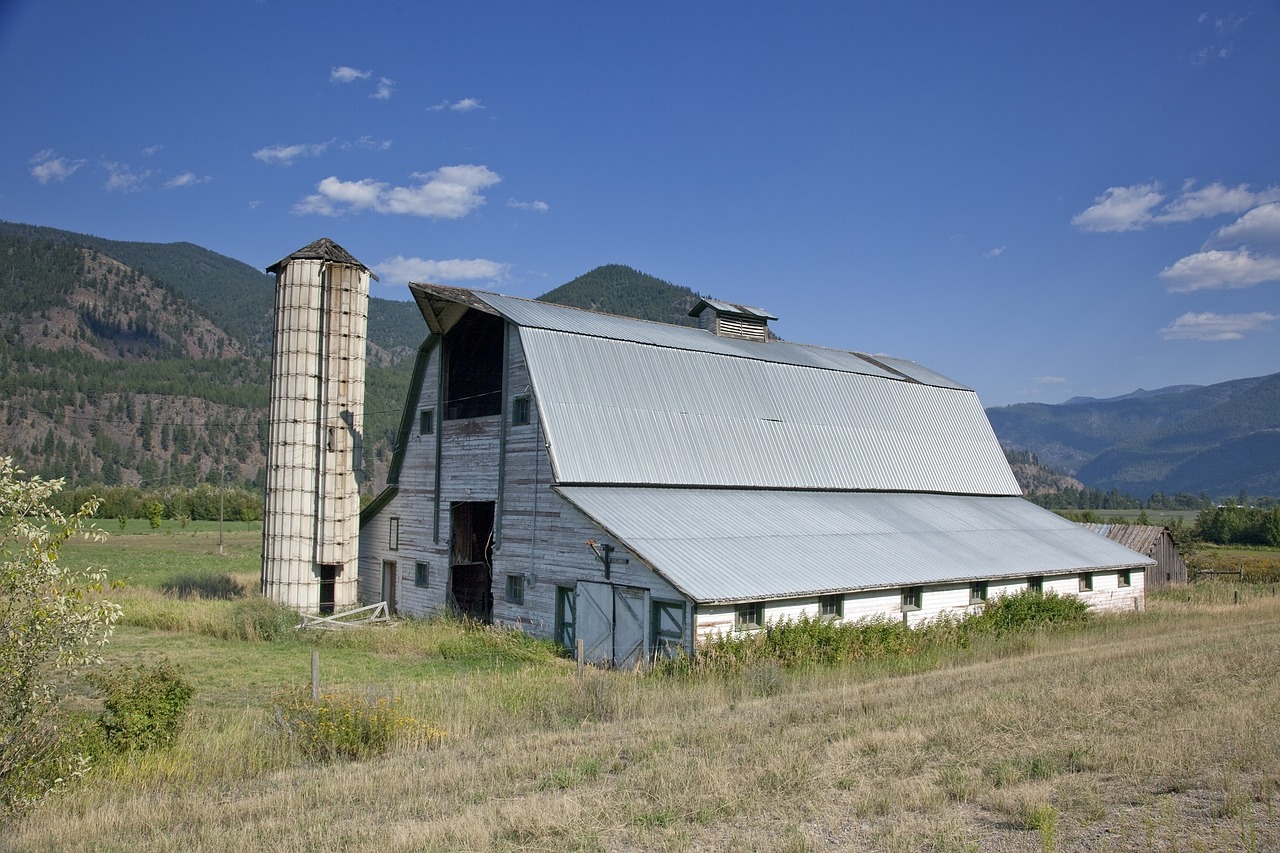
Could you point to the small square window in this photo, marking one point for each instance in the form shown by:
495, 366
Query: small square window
1086, 581
515, 589
393, 534
978, 592
520, 411
1122, 577
749, 615
426, 421
831, 606
1035, 583
421, 574
912, 597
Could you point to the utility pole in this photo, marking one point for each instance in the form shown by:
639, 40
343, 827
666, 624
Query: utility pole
222, 490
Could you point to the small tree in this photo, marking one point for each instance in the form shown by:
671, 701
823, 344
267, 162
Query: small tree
52, 623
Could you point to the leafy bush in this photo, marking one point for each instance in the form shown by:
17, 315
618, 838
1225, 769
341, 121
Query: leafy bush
1028, 609
347, 726
144, 705
219, 585
261, 619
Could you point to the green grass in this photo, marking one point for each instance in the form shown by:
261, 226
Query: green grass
1147, 730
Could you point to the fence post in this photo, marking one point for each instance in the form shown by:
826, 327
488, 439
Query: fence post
315, 675
582, 662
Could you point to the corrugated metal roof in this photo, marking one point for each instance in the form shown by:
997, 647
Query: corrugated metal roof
616, 411
724, 545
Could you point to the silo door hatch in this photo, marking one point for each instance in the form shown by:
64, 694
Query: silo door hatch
471, 559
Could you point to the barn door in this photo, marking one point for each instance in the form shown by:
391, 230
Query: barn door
595, 621
611, 623
628, 625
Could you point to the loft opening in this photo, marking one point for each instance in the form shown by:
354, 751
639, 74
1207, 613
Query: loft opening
473, 367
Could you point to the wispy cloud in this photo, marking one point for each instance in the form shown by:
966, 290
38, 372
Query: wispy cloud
1217, 269
994, 253
47, 166
347, 74
285, 155
186, 179
1214, 200
385, 87
366, 142
151, 150
399, 270
124, 178
466, 105
1258, 227
1049, 380
450, 192
1121, 209
1216, 327
1221, 45
535, 206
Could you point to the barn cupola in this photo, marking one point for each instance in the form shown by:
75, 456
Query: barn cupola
732, 321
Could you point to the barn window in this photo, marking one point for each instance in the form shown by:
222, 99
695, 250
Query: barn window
515, 589
831, 606
393, 535
749, 615
566, 616
421, 574
426, 421
520, 411
1086, 581
912, 598
978, 592
1122, 577
1035, 583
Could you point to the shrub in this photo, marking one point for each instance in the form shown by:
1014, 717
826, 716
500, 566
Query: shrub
347, 726
1028, 609
261, 619
219, 585
144, 705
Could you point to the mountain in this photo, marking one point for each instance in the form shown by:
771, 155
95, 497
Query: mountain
618, 289
1215, 438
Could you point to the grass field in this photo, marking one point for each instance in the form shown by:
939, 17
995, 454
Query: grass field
1155, 730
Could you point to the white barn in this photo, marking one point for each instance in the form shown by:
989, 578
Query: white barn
640, 486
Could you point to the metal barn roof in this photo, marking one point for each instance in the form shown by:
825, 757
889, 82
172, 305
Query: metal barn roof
616, 412
725, 545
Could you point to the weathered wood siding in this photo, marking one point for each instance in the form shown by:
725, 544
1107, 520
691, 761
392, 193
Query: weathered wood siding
538, 536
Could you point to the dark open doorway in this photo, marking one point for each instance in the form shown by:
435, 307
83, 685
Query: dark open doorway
328, 580
471, 559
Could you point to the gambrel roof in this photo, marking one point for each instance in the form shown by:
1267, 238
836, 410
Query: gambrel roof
746, 470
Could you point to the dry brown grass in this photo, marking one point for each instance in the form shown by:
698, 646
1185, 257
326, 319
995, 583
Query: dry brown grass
1154, 731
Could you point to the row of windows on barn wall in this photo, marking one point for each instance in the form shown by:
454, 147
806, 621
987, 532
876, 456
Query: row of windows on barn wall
520, 409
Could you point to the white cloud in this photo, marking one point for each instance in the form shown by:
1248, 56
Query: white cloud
1120, 209
466, 105
994, 253
1049, 380
1260, 226
385, 87
399, 270
1214, 200
122, 178
284, 155
152, 149
347, 74
1217, 269
536, 206
1216, 327
450, 192
47, 166
186, 179
367, 142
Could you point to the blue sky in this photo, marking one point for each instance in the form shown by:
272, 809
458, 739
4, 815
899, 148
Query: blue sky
1039, 201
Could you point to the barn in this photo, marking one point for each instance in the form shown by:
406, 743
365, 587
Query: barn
1156, 542
641, 486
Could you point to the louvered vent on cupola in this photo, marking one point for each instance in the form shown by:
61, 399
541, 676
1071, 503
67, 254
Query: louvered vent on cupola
732, 321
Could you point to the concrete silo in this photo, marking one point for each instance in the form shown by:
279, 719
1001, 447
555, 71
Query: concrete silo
311, 524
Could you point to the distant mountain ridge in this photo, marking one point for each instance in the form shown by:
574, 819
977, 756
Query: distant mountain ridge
1214, 438
1140, 394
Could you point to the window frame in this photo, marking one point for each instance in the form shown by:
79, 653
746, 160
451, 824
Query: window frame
831, 607
426, 422
393, 533
1124, 578
521, 410
748, 614
421, 573
912, 599
979, 592
1035, 583
666, 642
514, 591
1086, 582
567, 616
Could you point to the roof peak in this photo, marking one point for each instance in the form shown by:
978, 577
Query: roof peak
323, 249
